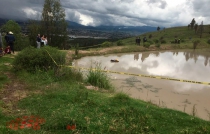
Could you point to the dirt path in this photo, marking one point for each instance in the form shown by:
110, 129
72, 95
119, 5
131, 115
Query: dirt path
11, 93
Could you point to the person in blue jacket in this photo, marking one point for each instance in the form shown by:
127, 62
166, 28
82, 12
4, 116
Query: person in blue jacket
10, 41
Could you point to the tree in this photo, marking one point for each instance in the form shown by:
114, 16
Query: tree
192, 23
53, 23
196, 27
200, 29
16, 29
34, 30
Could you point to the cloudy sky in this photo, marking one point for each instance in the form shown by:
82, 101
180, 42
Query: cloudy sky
163, 13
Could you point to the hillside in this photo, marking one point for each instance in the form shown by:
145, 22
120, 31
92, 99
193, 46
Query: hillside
63, 102
168, 35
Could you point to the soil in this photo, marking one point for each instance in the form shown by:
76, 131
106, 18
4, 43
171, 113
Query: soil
11, 93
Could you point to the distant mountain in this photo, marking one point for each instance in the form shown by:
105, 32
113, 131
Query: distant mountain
132, 30
135, 30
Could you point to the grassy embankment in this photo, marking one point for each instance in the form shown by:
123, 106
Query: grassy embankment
62, 99
187, 38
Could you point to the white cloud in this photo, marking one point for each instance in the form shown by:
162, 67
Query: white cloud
163, 13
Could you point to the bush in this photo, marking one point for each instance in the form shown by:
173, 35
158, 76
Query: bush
150, 42
77, 49
98, 78
157, 45
208, 41
146, 44
156, 41
120, 43
163, 41
182, 40
31, 59
106, 44
195, 43
150, 36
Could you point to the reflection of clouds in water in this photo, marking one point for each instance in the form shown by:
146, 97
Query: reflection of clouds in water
184, 87
181, 65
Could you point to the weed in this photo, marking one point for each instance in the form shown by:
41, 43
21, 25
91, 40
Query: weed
194, 110
97, 77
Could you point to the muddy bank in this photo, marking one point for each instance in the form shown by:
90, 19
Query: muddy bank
189, 65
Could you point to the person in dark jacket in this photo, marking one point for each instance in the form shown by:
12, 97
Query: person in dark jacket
5, 37
38, 41
1, 41
11, 40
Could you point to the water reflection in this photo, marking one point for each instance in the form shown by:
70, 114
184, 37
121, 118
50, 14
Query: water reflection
189, 65
136, 56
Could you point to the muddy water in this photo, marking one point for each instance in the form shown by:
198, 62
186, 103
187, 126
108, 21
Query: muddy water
191, 98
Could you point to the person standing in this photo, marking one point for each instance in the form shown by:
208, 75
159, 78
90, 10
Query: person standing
1, 42
5, 37
42, 40
1, 46
38, 41
139, 41
11, 40
45, 41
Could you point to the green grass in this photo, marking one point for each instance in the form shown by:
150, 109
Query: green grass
98, 78
168, 35
5, 65
65, 100
61, 98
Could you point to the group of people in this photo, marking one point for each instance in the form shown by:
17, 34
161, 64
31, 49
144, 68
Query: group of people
138, 40
41, 40
10, 39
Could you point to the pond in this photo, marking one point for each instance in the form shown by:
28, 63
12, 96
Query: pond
182, 65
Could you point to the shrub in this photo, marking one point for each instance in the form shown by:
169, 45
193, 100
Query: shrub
157, 45
77, 49
163, 41
106, 44
146, 44
31, 59
150, 36
120, 43
150, 42
161, 38
182, 40
98, 78
195, 43
208, 41
156, 41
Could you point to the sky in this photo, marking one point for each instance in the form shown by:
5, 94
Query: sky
163, 13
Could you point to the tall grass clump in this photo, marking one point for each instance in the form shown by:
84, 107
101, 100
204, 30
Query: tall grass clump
97, 77
69, 74
30, 59
146, 44
106, 44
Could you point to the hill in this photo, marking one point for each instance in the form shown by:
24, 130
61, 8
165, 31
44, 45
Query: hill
168, 36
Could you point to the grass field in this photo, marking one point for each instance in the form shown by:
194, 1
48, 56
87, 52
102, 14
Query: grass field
47, 103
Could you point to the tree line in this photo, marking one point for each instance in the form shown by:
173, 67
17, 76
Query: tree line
199, 29
52, 24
